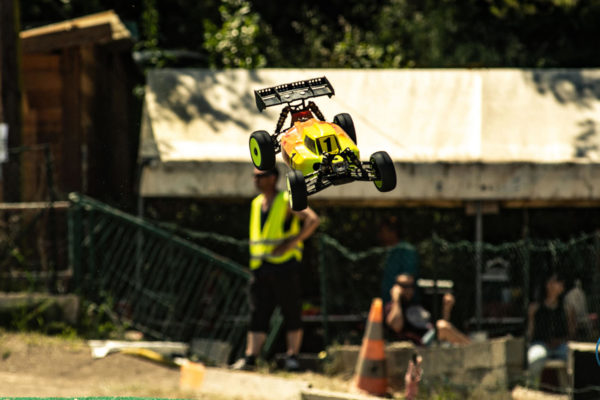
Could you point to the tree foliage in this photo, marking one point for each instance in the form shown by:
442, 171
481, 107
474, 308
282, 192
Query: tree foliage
354, 33
241, 40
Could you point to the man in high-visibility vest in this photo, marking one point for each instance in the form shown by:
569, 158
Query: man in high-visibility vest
276, 236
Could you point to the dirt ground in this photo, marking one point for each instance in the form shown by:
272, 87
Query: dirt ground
33, 365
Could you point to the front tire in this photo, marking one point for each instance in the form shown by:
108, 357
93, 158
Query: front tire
262, 150
297, 190
384, 171
344, 121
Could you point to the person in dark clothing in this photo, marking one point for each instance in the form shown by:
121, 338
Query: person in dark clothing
402, 257
547, 328
410, 321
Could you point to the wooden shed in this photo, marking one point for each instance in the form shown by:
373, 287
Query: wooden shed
78, 81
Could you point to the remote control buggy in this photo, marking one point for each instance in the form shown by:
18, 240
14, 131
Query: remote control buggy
320, 153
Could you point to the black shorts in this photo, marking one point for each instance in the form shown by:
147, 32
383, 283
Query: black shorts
275, 285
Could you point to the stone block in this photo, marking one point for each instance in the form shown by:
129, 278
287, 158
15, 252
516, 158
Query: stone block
213, 351
470, 377
515, 352
39, 307
478, 355
494, 379
398, 355
342, 359
498, 352
442, 361
495, 363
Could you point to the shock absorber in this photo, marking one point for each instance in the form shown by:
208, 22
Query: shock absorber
282, 118
313, 107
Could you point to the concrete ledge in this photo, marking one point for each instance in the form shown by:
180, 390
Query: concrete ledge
440, 184
52, 308
490, 365
315, 394
521, 393
228, 384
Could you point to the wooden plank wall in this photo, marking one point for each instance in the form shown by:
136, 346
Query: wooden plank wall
69, 163
113, 136
43, 120
79, 100
88, 85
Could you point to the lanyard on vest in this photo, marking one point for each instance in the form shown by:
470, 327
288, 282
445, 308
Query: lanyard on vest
264, 239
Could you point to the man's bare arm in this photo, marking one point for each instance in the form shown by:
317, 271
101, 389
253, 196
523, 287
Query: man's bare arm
310, 223
395, 318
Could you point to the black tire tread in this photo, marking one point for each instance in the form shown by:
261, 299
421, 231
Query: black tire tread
267, 152
344, 121
384, 167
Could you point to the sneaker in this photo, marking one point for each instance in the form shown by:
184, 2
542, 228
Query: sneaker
247, 363
292, 364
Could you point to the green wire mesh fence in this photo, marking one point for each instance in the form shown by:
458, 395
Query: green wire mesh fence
509, 277
162, 285
173, 288
33, 248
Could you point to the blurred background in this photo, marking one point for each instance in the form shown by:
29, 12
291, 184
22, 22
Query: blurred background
81, 133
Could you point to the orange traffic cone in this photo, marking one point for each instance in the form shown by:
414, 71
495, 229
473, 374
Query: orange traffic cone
371, 372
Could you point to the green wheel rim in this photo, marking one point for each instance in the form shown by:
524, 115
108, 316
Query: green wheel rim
378, 183
255, 152
289, 189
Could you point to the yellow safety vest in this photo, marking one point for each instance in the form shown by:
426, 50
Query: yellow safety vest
263, 241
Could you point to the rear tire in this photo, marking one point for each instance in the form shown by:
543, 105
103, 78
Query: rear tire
344, 121
297, 190
384, 170
262, 150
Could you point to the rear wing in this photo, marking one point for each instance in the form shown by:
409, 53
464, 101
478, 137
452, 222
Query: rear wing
289, 92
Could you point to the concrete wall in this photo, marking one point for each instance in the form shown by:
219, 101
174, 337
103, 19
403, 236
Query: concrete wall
436, 184
490, 365
38, 307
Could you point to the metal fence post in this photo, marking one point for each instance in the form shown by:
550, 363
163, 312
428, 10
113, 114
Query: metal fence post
139, 239
478, 264
91, 261
596, 274
526, 283
51, 228
324, 293
435, 251
526, 275
74, 239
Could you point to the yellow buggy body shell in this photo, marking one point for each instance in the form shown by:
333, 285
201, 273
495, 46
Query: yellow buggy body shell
303, 144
